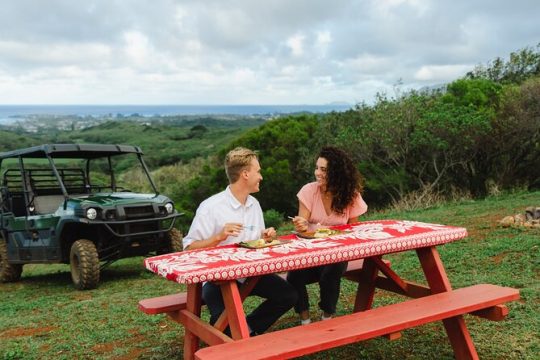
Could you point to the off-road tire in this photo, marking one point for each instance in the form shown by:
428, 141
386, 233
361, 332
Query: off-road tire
84, 263
8, 272
173, 243
175, 240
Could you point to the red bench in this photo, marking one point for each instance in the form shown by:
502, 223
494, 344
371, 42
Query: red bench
175, 302
322, 335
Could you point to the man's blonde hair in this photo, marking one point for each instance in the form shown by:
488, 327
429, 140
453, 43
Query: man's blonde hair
237, 160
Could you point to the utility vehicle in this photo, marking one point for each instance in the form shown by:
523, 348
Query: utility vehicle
68, 203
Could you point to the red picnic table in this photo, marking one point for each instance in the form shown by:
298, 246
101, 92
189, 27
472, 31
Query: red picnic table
369, 241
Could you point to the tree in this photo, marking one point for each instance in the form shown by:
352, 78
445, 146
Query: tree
521, 65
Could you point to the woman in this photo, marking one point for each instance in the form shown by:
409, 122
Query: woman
333, 199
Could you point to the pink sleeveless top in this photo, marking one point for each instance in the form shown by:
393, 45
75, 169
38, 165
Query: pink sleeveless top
310, 195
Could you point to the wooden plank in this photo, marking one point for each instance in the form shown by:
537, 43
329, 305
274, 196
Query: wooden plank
163, 304
393, 336
204, 331
413, 290
193, 305
495, 313
234, 310
245, 289
366, 286
322, 335
457, 331
385, 269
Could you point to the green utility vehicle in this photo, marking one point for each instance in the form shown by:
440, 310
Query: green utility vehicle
67, 203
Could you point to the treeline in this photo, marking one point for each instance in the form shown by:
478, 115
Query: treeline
479, 135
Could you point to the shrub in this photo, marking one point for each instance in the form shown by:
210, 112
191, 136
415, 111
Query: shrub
273, 218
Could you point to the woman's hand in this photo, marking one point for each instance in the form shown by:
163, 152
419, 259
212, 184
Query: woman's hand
300, 224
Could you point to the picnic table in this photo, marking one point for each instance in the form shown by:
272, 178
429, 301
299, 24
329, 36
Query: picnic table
369, 241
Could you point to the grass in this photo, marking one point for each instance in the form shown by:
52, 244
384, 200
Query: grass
43, 317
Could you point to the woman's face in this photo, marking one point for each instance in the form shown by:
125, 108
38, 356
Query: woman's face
320, 170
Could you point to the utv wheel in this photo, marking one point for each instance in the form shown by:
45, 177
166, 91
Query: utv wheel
173, 243
8, 272
175, 240
84, 263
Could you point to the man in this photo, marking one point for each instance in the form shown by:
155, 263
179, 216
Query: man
232, 216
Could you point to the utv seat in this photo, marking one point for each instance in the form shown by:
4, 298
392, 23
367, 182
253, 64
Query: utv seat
47, 204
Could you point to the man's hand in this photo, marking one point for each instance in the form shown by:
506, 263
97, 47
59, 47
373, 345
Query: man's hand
230, 229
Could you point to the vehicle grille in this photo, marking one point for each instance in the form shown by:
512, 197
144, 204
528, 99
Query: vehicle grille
139, 212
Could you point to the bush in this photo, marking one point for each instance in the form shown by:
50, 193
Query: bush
273, 218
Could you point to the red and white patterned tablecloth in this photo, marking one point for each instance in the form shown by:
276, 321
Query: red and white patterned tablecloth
360, 240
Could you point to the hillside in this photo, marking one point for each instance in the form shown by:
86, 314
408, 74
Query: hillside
165, 141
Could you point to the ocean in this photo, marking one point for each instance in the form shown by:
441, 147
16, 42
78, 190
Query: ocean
9, 113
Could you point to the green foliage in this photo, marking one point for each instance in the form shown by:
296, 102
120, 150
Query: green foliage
480, 94
279, 144
513, 147
164, 142
463, 139
273, 218
10, 140
520, 66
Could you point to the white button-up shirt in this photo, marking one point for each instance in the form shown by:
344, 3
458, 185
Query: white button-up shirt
219, 209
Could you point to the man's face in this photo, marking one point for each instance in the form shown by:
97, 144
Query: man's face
253, 176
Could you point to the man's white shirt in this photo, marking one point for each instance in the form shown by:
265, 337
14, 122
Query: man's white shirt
221, 208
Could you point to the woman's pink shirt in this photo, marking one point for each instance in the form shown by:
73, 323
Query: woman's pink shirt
310, 195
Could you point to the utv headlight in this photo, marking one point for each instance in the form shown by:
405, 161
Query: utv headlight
91, 213
169, 207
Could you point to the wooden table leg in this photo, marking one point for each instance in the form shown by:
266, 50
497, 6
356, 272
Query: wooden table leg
457, 331
245, 290
235, 310
193, 305
366, 286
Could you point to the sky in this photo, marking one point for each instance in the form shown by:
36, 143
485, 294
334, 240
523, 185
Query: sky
237, 52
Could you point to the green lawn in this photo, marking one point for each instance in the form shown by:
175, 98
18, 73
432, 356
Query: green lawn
43, 317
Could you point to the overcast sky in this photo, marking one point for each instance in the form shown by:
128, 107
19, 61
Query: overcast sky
248, 51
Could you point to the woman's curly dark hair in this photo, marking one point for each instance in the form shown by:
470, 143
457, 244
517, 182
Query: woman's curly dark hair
343, 179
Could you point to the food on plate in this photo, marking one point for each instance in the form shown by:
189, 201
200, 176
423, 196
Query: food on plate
256, 243
323, 232
261, 243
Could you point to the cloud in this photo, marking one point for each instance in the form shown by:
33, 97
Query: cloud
441, 72
243, 51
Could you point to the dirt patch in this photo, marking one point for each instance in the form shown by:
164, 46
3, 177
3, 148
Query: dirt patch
133, 354
18, 332
479, 227
105, 348
497, 259
130, 341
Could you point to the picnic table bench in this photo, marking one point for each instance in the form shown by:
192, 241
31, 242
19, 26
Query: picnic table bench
359, 326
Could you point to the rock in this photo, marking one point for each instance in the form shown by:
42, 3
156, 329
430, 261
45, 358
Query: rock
507, 221
519, 219
532, 213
